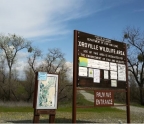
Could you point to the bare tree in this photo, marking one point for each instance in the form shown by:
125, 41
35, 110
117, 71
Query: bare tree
135, 43
3, 79
28, 84
65, 87
134, 90
11, 45
55, 63
54, 60
30, 72
33, 58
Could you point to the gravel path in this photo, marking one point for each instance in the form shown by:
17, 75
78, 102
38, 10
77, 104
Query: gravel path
134, 109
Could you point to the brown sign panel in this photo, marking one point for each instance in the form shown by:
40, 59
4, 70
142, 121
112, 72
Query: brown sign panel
100, 48
103, 98
101, 61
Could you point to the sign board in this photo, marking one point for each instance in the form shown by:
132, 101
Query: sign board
100, 61
45, 96
103, 98
47, 91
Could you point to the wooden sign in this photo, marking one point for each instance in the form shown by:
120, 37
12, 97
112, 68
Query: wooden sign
47, 91
100, 62
45, 95
103, 98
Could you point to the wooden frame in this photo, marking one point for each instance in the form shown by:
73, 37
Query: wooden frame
104, 50
42, 102
47, 103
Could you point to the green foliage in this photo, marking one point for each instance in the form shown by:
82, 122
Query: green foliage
140, 58
16, 109
126, 35
99, 109
81, 101
20, 89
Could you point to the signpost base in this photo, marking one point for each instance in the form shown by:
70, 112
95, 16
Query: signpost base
38, 112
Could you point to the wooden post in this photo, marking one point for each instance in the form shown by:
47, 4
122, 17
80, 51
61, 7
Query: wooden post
36, 117
37, 112
127, 90
75, 77
51, 118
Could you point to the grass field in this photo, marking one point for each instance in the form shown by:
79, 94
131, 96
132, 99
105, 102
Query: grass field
23, 113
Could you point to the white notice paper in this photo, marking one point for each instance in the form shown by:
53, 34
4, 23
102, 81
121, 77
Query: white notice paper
107, 65
90, 72
113, 66
106, 75
121, 72
82, 71
96, 76
113, 74
96, 64
90, 62
102, 65
113, 83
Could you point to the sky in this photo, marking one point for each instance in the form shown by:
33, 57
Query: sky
50, 23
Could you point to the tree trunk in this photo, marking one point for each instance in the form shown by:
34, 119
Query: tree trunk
29, 97
9, 81
141, 96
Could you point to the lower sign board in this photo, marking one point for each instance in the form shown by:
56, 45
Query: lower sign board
103, 98
47, 92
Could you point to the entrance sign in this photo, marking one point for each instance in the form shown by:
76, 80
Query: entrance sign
103, 98
99, 62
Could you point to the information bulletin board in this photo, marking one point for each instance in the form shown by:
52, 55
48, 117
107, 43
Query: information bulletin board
101, 62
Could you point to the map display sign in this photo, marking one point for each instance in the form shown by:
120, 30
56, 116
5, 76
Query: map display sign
100, 61
47, 91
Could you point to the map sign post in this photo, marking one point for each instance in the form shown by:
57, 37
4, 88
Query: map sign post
99, 62
45, 96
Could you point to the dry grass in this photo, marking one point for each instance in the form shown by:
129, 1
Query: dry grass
66, 117
15, 104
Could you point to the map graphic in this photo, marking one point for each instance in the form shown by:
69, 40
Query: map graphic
47, 93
